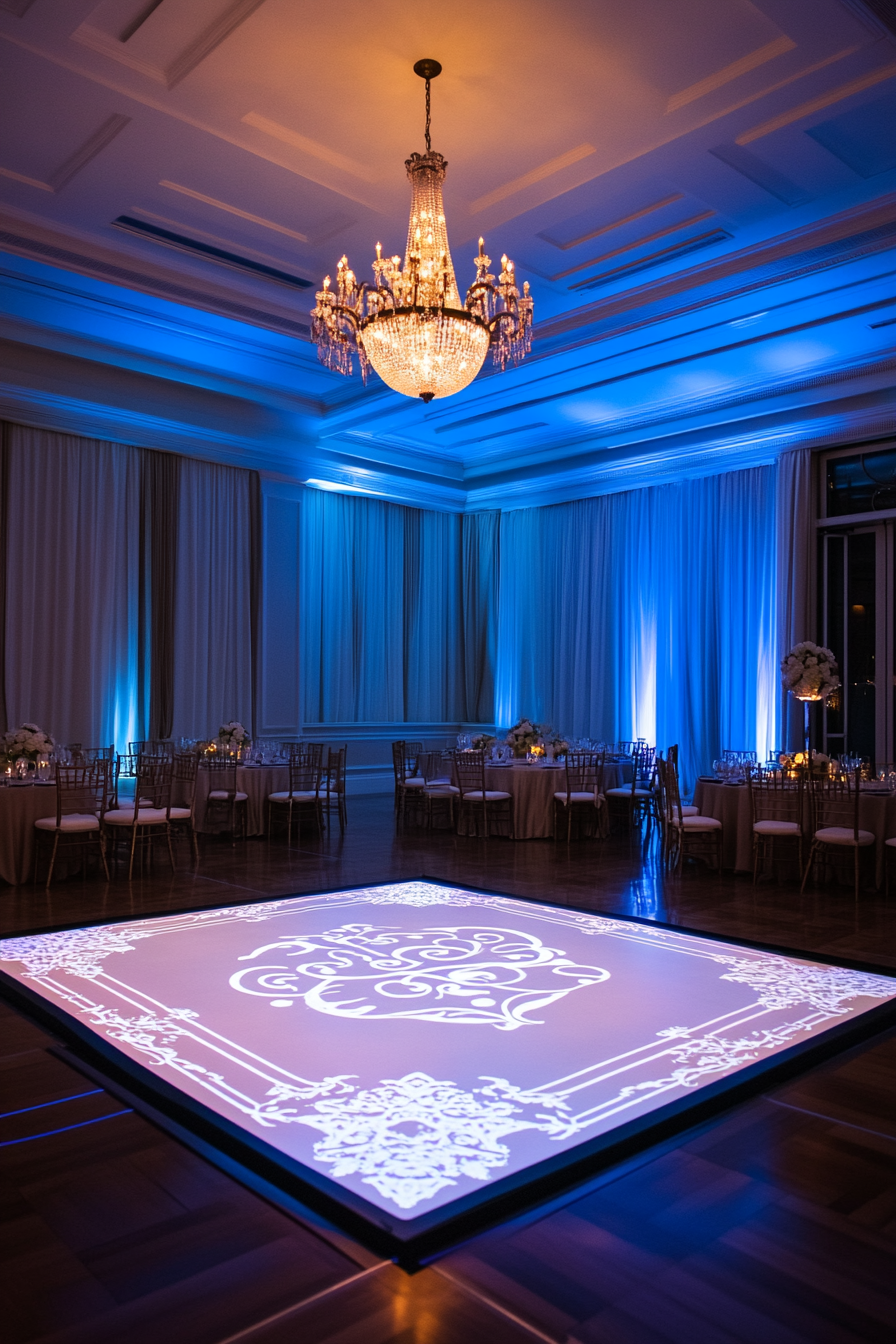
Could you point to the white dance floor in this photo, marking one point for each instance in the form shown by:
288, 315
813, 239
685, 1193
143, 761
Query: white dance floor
416, 1043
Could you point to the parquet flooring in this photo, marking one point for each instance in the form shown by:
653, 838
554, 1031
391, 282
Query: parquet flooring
775, 1224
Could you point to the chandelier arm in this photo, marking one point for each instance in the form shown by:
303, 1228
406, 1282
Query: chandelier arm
513, 317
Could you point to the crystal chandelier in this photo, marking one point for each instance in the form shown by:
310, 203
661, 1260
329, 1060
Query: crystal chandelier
409, 324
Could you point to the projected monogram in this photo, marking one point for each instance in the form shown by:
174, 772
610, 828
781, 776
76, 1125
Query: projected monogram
492, 976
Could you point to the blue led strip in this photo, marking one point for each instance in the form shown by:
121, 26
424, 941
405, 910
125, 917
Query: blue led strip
48, 1134
58, 1102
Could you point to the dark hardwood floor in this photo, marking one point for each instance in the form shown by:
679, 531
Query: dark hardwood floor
774, 1224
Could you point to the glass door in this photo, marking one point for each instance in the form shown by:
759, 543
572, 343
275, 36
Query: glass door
856, 569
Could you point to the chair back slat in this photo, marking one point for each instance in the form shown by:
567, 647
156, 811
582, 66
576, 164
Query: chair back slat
835, 802
81, 789
584, 770
774, 797
305, 771
153, 786
469, 771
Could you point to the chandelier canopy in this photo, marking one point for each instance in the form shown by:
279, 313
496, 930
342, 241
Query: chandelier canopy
410, 324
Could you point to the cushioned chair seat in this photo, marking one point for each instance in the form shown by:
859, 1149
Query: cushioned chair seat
440, 790
124, 816
222, 796
698, 824
843, 835
300, 796
75, 821
624, 792
891, 842
687, 810
418, 782
441, 783
180, 814
576, 797
772, 827
491, 796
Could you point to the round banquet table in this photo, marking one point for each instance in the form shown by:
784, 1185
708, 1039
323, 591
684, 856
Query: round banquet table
21, 805
257, 781
533, 788
730, 804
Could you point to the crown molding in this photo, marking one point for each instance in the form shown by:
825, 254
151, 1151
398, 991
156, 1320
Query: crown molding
710, 458
745, 392
848, 236
26, 237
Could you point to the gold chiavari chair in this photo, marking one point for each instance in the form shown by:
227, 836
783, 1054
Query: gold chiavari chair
225, 802
181, 814
302, 796
405, 779
583, 793
835, 823
776, 809
689, 836
82, 793
635, 800
473, 796
145, 820
332, 791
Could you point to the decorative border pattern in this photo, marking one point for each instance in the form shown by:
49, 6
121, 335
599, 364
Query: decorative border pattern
411, 1137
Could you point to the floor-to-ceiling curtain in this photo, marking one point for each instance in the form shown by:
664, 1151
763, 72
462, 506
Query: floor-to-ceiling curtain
72, 591
796, 515
214, 609
649, 613
381, 611
128, 589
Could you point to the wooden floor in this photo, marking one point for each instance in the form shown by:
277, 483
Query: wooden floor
775, 1224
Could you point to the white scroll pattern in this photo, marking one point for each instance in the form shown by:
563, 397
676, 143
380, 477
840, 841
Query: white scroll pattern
456, 974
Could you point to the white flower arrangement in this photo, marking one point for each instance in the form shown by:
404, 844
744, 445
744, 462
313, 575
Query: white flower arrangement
525, 734
482, 742
560, 745
233, 735
27, 740
809, 671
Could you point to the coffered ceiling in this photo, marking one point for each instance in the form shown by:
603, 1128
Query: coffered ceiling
702, 194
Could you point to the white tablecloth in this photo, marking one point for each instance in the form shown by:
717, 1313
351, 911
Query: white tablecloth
730, 804
257, 781
533, 788
20, 807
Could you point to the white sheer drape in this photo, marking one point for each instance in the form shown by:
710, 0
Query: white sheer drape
212, 599
795, 518
72, 590
381, 611
644, 614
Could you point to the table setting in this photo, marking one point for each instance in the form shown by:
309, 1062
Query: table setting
530, 764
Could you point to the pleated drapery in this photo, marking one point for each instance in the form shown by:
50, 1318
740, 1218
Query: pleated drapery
72, 591
130, 583
795, 516
128, 590
213, 599
381, 606
649, 613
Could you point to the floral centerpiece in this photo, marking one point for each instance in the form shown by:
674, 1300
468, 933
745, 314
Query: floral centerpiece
809, 672
232, 736
482, 742
524, 735
818, 763
28, 740
560, 745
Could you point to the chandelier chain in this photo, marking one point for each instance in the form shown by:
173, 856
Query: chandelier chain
428, 141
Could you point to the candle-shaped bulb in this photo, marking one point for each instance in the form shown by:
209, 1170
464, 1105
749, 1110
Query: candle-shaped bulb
481, 246
379, 251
